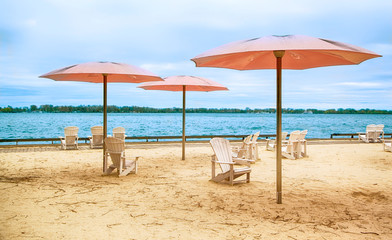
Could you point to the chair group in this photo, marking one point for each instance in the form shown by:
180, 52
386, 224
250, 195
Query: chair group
96, 138
248, 148
374, 133
294, 147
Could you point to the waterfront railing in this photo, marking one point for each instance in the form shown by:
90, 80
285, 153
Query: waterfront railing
152, 139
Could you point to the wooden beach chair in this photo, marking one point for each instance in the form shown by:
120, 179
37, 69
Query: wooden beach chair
119, 132
374, 133
301, 151
116, 151
254, 148
243, 150
271, 143
380, 132
290, 147
96, 140
387, 146
223, 157
70, 139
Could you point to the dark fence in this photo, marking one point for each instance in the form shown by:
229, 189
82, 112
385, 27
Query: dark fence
27, 141
17, 141
352, 135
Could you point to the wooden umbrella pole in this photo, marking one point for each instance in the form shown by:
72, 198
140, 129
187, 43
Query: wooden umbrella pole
279, 55
105, 83
183, 121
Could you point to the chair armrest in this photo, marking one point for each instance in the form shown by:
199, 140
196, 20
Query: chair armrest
231, 163
243, 161
135, 157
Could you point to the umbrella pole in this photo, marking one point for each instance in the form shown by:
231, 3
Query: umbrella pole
279, 55
105, 84
183, 121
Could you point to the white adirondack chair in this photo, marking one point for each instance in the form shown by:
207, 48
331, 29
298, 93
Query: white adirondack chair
243, 150
290, 147
254, 148
119, 132
96, 140
116, 151
301, 152
223, 157
271, 143
380, 132
70, 139
374, 133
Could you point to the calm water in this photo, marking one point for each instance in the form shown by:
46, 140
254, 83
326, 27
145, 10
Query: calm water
50, 125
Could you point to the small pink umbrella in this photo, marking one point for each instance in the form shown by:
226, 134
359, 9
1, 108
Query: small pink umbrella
287, 52
184, 83
102, 72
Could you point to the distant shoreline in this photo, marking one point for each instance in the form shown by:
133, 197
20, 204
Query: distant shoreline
135, 109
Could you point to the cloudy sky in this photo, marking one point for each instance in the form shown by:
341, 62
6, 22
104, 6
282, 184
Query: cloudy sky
38, 36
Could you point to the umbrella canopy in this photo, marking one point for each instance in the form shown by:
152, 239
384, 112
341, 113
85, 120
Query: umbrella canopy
287, 52
301, 52
102, 72
184, 83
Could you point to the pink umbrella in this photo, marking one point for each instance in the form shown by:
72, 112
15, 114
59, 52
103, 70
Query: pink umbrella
103, 72
184, 83
288, 52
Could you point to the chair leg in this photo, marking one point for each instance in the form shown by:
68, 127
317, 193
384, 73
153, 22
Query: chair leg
231, 175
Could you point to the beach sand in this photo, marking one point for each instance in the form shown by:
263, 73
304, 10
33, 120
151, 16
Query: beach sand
341, 191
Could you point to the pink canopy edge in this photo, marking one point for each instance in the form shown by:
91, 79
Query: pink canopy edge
176, 83
302, 52
93, 71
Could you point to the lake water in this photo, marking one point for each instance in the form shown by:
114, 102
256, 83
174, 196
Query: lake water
51, 125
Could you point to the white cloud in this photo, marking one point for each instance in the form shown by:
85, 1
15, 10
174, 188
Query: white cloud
360, 84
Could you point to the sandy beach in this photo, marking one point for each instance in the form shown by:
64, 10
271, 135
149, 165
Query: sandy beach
341, 191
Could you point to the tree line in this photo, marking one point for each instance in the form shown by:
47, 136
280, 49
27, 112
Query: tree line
135, 109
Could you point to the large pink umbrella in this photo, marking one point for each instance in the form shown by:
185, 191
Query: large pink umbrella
184, 83
102, 72
287, 52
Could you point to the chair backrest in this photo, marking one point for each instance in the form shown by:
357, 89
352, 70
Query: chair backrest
302, 135
71, 134
97, 130
222, 152
115, 148
119, 132
255, 137
373, 131
284, 135
97, 134
370, 128
71, 131
247, 140
294, 136
380, 127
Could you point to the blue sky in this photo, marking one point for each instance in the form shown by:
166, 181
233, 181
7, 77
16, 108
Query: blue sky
38, 36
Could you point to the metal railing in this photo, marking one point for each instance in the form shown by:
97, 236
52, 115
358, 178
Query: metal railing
53, 141
352, 135
17, 141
